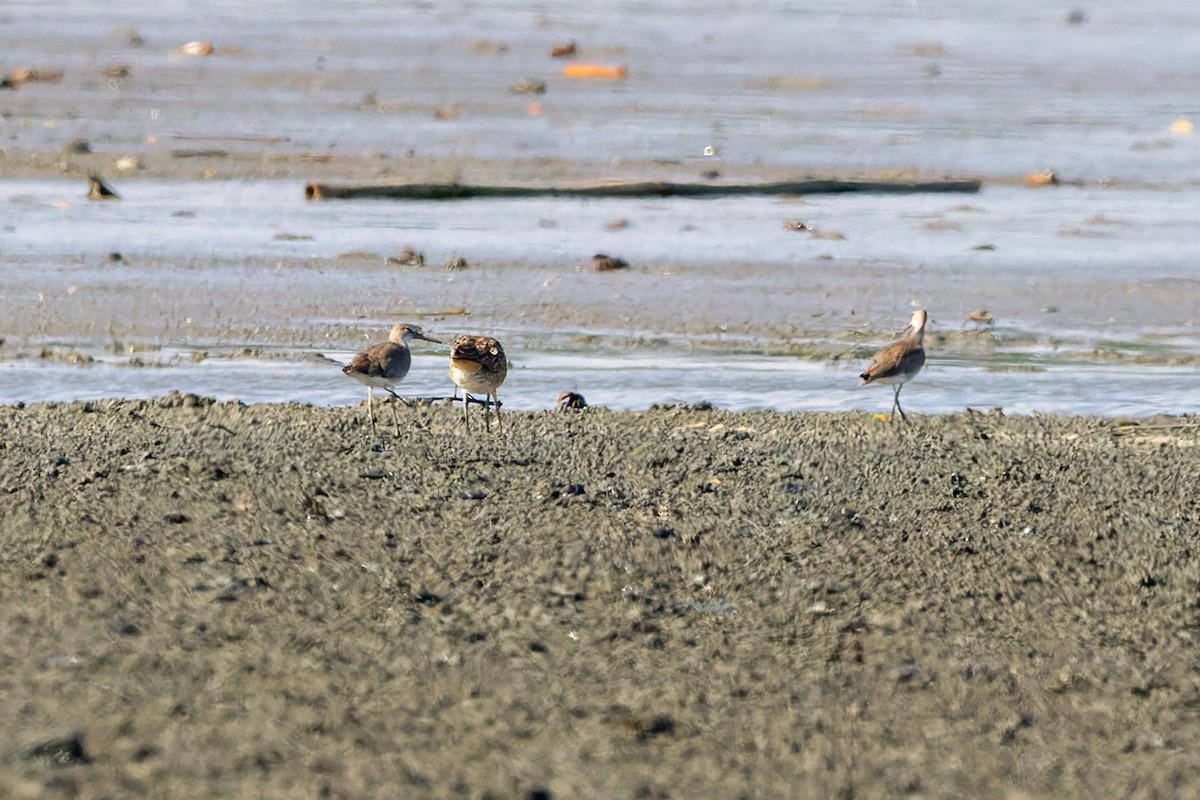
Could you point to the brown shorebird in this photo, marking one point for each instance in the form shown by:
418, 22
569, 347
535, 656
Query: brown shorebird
99, 190
570, 401
983, 318
477, 364
899, 362
607, 263
406, 258
384, 365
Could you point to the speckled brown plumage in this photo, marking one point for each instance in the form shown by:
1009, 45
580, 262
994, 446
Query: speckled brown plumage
478, 364
571, 401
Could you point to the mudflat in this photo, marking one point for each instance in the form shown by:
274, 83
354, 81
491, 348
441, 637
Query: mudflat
210, 599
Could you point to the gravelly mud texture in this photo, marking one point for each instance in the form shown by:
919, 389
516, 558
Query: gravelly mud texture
205, 599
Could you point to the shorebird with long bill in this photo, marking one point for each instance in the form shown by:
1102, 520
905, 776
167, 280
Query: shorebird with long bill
899, 362
384, 365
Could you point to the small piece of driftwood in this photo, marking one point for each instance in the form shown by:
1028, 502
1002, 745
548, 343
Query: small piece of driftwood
459, 191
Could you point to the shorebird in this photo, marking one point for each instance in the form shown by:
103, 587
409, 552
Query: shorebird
570, 401
478, 364
607, 263
899, 362
384, 365
99, 190
406, 258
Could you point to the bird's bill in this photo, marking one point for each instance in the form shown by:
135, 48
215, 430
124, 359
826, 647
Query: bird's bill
419, 335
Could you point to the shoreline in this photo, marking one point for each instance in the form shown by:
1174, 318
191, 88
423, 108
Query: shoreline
160, 162
219, 598
1115, 424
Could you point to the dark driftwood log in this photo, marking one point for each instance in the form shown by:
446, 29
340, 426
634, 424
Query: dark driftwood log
458, 191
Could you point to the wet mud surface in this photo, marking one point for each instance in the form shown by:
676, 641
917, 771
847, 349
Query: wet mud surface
207, 599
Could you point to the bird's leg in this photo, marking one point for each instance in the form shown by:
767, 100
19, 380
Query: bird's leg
395, 416
487, 410
371, 408
896, 403
415, 422
466, 416
395, 397
398, 397
499, 424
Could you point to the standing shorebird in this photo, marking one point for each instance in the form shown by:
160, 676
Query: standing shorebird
384, 365
99, 190
899, 362
477, 364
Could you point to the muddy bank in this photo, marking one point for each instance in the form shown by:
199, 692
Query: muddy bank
213, 599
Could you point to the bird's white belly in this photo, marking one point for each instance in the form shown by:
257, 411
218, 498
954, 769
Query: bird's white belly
902, 377
472, 381
377, 381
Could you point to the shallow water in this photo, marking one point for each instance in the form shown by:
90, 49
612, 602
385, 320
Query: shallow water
233, 288
621, 381
1094, 314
